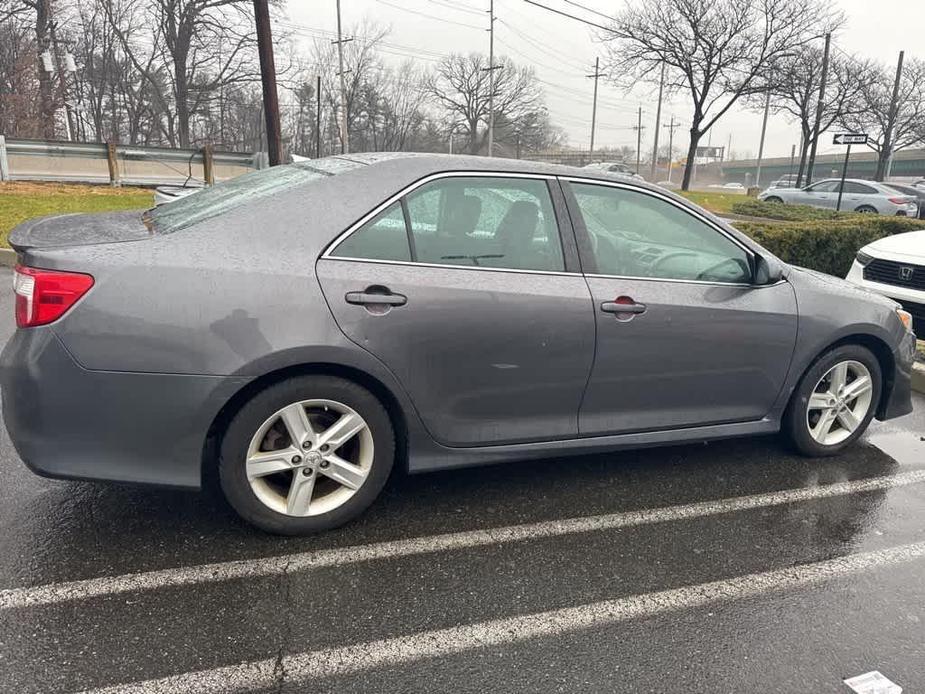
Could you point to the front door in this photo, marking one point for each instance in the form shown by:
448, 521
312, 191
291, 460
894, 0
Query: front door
683, 338
462, 289
823, 194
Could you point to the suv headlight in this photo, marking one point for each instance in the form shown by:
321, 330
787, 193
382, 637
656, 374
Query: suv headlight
864, 259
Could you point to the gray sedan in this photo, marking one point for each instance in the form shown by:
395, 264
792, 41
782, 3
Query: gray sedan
857, 195
300, 331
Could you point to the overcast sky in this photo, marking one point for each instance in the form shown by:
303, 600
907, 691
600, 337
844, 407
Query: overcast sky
563, 51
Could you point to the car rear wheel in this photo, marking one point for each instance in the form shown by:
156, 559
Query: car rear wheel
866, 209
306, 455
834, 402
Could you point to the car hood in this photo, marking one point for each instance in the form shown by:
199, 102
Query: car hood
830, 284
910, 244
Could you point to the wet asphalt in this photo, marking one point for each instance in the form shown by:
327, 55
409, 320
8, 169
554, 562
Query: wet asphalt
804, 639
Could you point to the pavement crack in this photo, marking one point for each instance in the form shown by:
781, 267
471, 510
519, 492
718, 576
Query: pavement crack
279, 668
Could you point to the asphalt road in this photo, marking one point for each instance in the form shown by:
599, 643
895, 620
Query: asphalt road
729, 567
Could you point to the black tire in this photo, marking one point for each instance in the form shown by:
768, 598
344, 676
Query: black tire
866, 209
250, 418
794, 425
774, 200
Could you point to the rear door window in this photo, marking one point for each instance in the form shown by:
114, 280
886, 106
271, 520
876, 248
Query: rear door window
482, 221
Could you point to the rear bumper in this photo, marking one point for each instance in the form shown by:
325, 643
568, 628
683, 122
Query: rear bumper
69, 422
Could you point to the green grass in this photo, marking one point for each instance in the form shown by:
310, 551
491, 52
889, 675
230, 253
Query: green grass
717, 203
22, 201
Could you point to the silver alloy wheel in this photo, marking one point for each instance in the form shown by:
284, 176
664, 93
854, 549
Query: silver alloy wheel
839, 403
309, 457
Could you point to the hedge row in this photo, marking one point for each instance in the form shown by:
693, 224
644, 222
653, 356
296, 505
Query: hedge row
788, 213
827, 246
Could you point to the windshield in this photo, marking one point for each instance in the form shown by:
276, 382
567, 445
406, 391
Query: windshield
228, 195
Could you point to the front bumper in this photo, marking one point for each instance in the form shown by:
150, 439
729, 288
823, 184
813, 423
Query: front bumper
69, 422
897, 397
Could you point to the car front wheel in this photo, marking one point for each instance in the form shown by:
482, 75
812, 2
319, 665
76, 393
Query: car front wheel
834, 402
306, 455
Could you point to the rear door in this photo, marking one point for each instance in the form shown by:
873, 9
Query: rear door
683, 339
468, 290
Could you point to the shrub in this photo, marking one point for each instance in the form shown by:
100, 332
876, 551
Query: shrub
827, 246
787, 213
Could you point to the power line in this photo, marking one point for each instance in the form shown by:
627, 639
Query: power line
587, 9
428, 16
566, 14
451, 6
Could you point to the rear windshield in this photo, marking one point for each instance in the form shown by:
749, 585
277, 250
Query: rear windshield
223, 197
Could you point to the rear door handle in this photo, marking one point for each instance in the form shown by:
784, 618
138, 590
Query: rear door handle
364, 298
618, 307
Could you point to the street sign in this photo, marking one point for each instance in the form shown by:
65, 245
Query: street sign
850, 139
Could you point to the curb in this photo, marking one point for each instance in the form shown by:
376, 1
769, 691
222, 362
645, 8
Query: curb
7, 257
918, 377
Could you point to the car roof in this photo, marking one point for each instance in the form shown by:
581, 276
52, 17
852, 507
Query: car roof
424, 164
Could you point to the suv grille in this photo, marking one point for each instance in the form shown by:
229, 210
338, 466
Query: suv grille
897, 274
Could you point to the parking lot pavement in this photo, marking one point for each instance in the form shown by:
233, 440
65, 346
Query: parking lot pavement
733, 566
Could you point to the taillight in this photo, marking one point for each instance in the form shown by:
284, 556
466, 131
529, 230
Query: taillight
43, 296
900, 201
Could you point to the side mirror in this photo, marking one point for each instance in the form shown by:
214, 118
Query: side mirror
767, 271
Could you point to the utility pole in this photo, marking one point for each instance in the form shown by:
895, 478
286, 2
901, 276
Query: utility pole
793, 154
491, 77
819, 107
597, 73
671, 128
268, 78
658, 119
638, 129
318, 117
344, 135
891, 122
764, 130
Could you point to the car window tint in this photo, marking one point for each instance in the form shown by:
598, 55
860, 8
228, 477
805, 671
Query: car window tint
384, 237
485, 222
824, 187
634, 234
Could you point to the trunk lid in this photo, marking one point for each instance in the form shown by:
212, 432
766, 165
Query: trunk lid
68, 230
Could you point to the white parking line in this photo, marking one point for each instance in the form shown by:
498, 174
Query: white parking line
357, 658
275, 566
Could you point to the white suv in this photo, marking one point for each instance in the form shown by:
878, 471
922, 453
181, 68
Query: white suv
895, 267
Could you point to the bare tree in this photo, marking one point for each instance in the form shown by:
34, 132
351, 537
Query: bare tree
714, 50
20, 113
197, 47
874, 115
794, 83
460, 86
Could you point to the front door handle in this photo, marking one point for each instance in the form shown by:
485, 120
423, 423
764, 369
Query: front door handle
364, 298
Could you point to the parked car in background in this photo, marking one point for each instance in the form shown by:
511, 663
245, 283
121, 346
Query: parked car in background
299, 330
858, 196
912, 192
895, 267
788, 181
733, 186
670, 185
167, 194
615, 167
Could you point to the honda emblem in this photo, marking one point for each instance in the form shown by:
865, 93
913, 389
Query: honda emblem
905, 273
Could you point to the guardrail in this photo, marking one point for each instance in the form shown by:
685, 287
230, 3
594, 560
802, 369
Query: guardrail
116, 164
